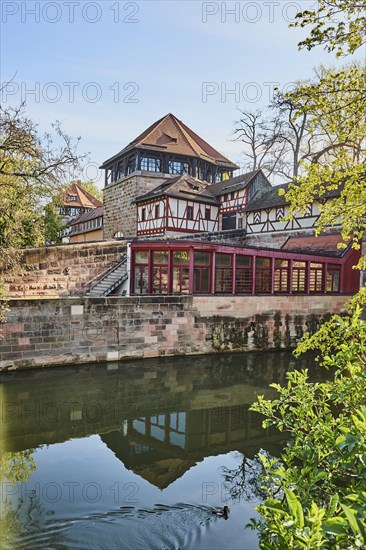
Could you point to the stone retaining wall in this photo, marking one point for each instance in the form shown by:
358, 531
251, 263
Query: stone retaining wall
62, 270
84, 330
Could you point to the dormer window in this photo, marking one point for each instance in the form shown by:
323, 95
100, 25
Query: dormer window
73, 198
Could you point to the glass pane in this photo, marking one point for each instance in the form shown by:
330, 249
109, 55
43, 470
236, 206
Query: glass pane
205, 280
201, 258
160, 257
160, 280
181, 257
141, 280
223, 259
243, 282
181, 280
141, 257
262, 262
223, 280
242, 261
281, 263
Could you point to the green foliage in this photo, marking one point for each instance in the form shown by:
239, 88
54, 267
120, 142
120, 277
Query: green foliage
316, 491
52, 223
335, 105
33, 168
339, 25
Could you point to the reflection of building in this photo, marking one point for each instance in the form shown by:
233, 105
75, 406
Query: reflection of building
159, 418
162, 447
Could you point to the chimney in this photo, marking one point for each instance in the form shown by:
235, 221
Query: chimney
78, 182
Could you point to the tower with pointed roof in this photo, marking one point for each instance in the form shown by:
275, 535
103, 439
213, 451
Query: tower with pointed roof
166, 149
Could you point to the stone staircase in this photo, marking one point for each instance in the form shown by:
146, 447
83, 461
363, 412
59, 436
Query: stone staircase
111, 280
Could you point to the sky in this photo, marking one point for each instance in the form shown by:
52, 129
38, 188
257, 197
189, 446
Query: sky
108, 69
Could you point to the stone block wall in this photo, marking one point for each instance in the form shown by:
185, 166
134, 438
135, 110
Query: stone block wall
119, 212
62, 270
85, 330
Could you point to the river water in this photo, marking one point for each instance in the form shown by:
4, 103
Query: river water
135, 455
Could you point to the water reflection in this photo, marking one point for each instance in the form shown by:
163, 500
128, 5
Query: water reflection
88, 450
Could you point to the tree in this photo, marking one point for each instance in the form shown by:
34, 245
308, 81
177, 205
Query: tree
335, 105
261, 136
295, 135
34, 169
338, 25
316, 490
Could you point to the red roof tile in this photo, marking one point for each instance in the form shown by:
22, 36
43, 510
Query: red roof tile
84, 199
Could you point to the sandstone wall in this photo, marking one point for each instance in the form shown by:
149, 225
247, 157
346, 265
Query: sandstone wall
83, 330
119, 212
62, 270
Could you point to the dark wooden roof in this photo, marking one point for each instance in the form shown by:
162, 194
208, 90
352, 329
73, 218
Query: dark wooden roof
233, 184
182, 187
323, 245
269, 198
171, 135
90, 215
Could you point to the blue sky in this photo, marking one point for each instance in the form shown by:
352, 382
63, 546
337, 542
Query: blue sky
109, 69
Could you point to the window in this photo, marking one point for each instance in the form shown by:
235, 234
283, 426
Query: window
262, 275
157, 211
316, 278
160, 272
223, 273
280, 213
143, 214
177, 167
150, 164
181, 272
72, 198
141, 273
201, 272
243, 276
207, 213
232, 196
332, 278
257, 217
240, 223
217, 177
299, 276
189, 212
281, 276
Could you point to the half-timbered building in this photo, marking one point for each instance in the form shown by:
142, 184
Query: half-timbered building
188, 205
267, 211
234, 194
179, 205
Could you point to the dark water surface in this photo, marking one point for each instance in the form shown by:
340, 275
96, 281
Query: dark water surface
135, 455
